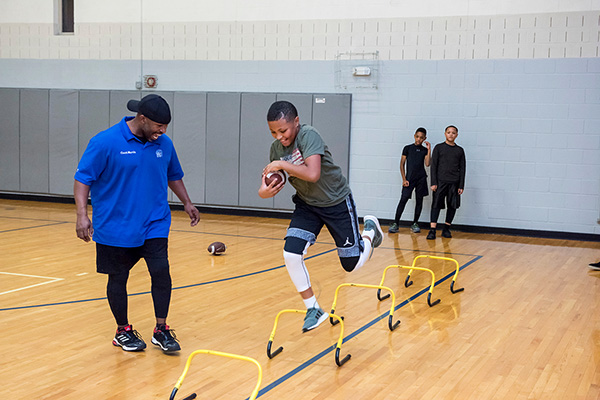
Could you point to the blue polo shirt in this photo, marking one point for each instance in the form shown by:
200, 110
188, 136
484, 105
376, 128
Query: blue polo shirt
128, 183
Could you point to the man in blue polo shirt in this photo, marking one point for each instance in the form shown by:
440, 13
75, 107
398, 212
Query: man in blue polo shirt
128, 169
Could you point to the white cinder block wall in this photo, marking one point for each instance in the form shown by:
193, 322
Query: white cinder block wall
521, 80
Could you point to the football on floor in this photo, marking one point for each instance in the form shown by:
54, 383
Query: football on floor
217, 248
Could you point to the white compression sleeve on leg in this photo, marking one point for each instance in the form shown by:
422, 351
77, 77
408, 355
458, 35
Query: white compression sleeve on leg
297, 270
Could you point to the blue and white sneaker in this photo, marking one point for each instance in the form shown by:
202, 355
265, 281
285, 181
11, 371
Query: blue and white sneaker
372, 224
314, 317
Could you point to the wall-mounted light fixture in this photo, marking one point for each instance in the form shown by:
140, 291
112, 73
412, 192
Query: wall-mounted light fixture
361, 71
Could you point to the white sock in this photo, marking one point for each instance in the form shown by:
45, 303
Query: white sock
311, 302
370, 233
364, 256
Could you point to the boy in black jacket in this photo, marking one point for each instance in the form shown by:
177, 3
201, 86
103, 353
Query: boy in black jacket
448, 166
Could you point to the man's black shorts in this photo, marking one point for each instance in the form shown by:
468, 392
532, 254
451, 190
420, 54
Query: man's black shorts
114, 260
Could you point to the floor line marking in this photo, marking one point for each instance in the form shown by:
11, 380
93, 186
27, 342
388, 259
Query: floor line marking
52, 280
33, 227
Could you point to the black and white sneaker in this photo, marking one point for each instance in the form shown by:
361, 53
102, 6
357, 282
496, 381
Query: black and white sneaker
165, 338
129, 339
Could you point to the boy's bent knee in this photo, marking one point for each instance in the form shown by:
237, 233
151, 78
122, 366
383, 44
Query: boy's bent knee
295, 245
291, 257
349, 263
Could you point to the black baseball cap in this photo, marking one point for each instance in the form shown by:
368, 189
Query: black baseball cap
153, 107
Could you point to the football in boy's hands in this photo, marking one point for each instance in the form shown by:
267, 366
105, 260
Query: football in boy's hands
277, 176
217, 248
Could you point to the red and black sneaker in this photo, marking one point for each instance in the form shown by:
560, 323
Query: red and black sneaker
165, 338
128, 339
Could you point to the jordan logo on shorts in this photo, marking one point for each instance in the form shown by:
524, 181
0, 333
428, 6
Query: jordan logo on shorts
347, 242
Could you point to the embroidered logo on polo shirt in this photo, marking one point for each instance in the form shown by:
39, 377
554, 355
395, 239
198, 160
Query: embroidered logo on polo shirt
128, 152
158, 153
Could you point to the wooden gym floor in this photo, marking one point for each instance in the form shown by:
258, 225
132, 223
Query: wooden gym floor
527, 325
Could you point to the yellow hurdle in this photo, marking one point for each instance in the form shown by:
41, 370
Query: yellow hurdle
408, 282
391, 325
216, 353
338, 346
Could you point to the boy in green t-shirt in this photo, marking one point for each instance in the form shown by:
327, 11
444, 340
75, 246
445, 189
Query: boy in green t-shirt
322, 197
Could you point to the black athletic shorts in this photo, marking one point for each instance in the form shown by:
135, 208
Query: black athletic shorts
419, 186
114, 260
341, 220
447, 191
